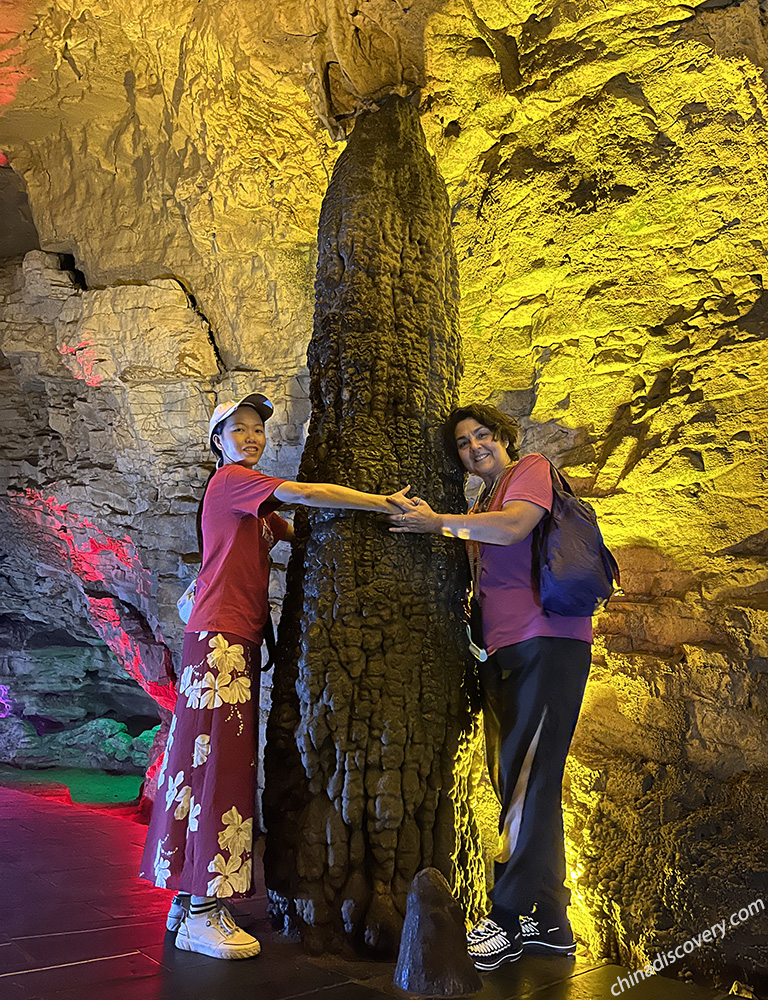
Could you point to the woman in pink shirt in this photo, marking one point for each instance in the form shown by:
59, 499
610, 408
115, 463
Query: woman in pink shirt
201, 835
532, 682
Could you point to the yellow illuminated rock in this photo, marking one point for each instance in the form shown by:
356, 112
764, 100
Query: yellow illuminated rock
605, 165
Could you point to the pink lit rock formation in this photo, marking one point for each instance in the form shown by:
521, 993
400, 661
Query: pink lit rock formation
605, 168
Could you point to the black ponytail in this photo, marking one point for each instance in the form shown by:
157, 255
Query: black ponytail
199, 518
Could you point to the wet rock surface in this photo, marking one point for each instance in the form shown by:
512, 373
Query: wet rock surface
433, 959
368, 742
65, 684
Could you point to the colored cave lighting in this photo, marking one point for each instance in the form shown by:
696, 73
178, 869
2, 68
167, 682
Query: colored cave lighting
85, 543
5, 702
96, 558
154, 767
81, 360
12, 73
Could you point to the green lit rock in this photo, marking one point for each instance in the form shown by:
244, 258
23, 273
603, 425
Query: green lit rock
103, 744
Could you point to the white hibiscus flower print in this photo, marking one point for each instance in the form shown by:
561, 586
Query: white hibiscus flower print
194, 813
166, 753
237, 835
162, 867
194, 694
183, 798
209, 695
222, 883
237, 691
225, 658
241, 879
187, 679
202, 750
173, 789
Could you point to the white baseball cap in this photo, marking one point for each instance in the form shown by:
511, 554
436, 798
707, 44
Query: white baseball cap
259, 402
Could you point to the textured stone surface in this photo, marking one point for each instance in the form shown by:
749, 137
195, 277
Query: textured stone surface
104, 744
605, 170
105, 400
180, 141
369, 739
67, 684
17, 232
610, 224
433, 958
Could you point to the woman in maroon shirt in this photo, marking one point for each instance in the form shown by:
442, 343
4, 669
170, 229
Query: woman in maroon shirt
532, 682
201, 836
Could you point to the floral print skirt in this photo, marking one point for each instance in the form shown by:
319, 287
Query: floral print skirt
201, 834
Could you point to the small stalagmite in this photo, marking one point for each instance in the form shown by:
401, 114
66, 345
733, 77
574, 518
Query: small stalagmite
433, 959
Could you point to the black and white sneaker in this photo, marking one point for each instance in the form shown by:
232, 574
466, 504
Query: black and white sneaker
490, 945
545, 935
180, 909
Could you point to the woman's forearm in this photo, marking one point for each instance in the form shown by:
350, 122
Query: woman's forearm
494, 528
330, 495
345, 498
504, 527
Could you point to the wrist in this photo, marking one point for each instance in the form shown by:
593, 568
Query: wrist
455, 525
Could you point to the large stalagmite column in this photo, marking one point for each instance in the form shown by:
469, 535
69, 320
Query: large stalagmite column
368, 743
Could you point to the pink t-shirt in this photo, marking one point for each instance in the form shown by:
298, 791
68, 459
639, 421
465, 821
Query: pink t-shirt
511, 609
239, 529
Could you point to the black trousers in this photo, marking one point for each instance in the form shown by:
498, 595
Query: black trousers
531, 694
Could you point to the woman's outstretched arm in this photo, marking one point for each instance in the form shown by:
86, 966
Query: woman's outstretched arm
514, 522
339, 497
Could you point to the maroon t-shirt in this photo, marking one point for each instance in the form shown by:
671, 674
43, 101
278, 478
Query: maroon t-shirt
239, 529
512, 610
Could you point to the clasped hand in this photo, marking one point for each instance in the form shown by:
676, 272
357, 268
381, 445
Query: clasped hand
414, 514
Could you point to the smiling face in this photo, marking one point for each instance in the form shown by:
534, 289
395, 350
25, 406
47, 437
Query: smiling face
241, 439
481, 454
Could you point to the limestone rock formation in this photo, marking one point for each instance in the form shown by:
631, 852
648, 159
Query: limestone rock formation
105, 403
433, 959
369, 739
103, 744
17, 232
605, 171
183, 141
67, 683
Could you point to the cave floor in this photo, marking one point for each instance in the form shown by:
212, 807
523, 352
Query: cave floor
77, 924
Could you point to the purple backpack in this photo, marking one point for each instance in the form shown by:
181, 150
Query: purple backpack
573, 569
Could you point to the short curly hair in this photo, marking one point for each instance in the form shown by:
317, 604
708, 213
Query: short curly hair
500, 424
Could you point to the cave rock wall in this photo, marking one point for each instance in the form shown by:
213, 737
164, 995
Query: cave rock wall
605, 167
105, 400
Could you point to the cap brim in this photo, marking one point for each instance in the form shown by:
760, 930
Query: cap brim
259, 402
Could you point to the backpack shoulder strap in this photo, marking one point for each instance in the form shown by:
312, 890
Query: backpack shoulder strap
559, 481
496, 505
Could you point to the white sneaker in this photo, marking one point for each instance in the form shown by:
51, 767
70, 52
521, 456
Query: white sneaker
180, 908
215, 933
